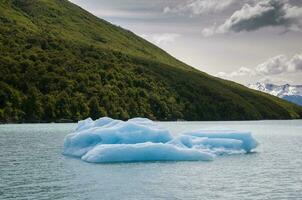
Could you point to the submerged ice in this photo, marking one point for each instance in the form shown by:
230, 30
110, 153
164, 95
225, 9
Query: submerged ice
139, 139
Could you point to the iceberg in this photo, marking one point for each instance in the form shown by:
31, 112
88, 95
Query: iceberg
108, 140
143, 152
105, 130
247, 142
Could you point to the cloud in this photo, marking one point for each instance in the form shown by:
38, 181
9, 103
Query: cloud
295, 64
273, 66
280, 64
242, 71
262, 14
197, 7
275, 80
161, 38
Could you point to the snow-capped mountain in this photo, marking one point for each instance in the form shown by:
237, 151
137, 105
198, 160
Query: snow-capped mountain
288, 92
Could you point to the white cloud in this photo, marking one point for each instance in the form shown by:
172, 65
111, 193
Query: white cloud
275, 80
161, 38
242, 71
280, 64
262, 14
273, 66
295, 64
197, 7
167, 9
206, 32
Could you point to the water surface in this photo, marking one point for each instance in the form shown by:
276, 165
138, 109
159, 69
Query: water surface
32, 167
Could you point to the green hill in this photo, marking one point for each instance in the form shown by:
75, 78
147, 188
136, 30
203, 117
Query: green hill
58, 61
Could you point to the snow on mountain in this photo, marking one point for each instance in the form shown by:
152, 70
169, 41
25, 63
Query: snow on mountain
291, 93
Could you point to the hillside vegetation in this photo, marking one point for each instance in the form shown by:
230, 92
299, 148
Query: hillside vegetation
58, 61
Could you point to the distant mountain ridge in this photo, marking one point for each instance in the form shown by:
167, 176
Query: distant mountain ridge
59, 62
292, 93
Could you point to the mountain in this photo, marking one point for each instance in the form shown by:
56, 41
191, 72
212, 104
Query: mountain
292, 93
59, 63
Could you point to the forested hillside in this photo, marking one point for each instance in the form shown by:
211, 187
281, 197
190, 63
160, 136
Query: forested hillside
58, 61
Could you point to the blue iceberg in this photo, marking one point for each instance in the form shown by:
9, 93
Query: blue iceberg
139, 139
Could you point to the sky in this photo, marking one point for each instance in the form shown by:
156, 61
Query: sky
246, 41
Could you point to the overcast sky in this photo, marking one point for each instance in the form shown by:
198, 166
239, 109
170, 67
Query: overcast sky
242, 40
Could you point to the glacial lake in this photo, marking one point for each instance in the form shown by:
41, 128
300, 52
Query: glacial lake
32, 167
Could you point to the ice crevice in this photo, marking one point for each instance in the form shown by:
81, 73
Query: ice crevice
140, 139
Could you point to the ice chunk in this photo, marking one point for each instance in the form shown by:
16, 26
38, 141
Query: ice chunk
140, 139
89, 123
144, 152
106, 131
248, 142
205, 142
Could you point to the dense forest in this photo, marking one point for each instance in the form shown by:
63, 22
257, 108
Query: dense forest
59, 63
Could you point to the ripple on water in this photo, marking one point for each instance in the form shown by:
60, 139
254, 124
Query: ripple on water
32, 167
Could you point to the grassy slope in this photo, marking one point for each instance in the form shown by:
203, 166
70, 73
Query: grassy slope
65, 20
53, 45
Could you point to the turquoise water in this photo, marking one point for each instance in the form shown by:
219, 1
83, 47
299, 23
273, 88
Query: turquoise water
32, 167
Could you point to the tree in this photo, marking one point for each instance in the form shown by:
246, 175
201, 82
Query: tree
33, 105
122, 114
63, 106
49, 107
79, 107
96, 111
